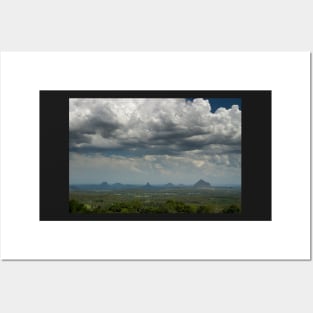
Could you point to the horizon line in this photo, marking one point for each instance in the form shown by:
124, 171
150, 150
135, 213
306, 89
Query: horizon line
156, 184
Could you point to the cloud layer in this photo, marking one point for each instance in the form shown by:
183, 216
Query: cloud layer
155, 135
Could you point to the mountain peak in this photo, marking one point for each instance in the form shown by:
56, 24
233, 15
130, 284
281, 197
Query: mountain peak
202, 184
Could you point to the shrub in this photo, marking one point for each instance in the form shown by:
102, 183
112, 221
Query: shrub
233, 208
76, 207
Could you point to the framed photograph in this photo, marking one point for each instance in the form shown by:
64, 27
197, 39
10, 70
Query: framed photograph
155, 156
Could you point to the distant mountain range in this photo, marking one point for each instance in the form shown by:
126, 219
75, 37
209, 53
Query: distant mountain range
106, 186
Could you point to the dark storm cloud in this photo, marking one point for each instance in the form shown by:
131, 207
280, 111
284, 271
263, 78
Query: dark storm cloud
93, 126
77, 137
137, 127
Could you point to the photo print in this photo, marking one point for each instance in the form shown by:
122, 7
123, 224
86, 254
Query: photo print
155, 156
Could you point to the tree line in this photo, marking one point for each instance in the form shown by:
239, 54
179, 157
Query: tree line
136, 206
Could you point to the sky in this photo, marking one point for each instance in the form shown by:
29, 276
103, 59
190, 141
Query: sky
140, 140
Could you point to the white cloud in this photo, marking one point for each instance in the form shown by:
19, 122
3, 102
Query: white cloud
156, 140
155, 169
151, 125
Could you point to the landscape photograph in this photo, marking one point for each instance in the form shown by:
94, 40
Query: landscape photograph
155, 155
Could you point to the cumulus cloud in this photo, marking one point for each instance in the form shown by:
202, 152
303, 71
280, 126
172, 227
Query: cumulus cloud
152, 126
155, 136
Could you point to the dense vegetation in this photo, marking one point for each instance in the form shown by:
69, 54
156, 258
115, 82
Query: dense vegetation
156, 201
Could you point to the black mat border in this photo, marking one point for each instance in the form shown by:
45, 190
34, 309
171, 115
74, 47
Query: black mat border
256, 155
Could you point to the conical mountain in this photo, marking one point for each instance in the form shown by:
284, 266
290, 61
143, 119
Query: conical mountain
202, 184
